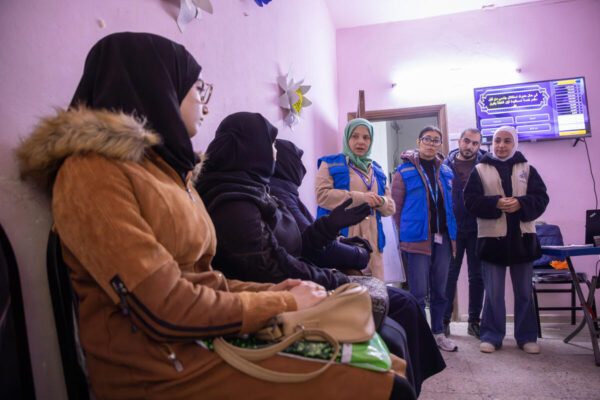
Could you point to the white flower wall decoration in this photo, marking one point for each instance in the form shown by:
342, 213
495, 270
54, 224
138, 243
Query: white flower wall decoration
293, 98
190, 9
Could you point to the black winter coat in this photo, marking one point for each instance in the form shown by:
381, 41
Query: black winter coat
332, 254
258, 238
515, 247
465, 221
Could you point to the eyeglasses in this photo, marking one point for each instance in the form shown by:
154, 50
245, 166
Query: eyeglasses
205, 90
435, 142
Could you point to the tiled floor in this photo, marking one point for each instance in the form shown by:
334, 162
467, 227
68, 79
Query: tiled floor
561, 371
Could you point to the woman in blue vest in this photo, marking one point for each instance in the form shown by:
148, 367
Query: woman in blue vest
421, 189
506, 195
353, 175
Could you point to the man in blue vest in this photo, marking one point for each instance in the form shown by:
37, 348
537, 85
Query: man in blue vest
462, 161
421, 189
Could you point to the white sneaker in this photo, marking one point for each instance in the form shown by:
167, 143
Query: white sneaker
486, 347
444, 343
531, 348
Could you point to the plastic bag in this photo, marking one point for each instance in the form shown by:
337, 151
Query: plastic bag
372, 355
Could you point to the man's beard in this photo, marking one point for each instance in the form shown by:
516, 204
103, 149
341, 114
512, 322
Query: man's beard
465, 156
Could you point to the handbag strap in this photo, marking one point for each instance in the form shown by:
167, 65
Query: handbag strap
264, 352
241, 358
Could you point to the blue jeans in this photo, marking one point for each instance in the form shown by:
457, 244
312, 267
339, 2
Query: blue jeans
465, 242
430, 273
493, 321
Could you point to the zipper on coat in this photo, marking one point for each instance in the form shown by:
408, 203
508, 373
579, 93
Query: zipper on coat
190, 193
186, 184
173, 358
121, 290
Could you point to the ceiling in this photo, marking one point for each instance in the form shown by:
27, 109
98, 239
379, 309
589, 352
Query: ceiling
352, 13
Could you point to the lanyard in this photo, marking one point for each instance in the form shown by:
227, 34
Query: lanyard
433, 195
364, 180
362, 177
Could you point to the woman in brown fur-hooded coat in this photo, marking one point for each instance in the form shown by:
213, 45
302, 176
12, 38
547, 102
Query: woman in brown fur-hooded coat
139, 242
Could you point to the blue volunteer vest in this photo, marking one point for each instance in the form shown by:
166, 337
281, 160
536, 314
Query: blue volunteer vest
339, 171
414, 220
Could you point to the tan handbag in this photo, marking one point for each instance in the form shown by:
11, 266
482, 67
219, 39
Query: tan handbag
344, 316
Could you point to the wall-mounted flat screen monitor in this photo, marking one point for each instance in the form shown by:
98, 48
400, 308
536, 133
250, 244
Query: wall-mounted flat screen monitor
544, 110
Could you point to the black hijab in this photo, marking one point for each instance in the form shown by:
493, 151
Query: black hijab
242, 149
288, 166
148, 76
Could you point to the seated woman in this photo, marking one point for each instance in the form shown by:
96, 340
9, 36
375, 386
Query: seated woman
345, 254
139, 243
348, 253
258, 239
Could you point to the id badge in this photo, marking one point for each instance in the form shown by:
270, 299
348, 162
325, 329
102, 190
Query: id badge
438, 238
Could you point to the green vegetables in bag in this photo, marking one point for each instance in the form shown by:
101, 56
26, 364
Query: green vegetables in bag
372, 355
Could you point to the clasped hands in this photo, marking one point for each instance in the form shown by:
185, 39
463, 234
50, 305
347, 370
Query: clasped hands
508, 204
373, 199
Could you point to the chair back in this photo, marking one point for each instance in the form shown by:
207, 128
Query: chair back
64, 304
549, 235
16, 378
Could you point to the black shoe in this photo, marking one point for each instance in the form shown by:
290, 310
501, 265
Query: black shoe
473, 329
446, 328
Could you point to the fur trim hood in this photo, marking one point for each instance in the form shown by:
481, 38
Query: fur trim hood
412, 156
80, 130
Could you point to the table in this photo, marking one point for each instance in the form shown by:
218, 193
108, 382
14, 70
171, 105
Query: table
589, 318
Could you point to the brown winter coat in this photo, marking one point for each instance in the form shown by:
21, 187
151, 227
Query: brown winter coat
127, 220
329, 198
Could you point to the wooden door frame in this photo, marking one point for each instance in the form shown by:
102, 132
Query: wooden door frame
437, 110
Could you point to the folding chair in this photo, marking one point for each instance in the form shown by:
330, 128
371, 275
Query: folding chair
64, 304
543, 273
16, 378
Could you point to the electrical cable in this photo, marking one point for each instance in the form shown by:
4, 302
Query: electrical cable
591, 172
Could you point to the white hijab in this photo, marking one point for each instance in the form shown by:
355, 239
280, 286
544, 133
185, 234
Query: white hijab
513, 133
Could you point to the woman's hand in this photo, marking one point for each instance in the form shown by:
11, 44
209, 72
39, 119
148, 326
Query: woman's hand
373, 199
501, 203
308, 294
508, 204
285, 285
512, 205
341, 217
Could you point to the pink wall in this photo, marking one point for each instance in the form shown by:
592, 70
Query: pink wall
43, 47
440, 60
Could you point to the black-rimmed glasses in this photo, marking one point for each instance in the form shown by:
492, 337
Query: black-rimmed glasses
205, 90
434, 142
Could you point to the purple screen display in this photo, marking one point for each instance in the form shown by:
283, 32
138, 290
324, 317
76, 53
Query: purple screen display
542, 110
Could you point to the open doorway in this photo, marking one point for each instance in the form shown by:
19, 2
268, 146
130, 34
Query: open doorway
396, 131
